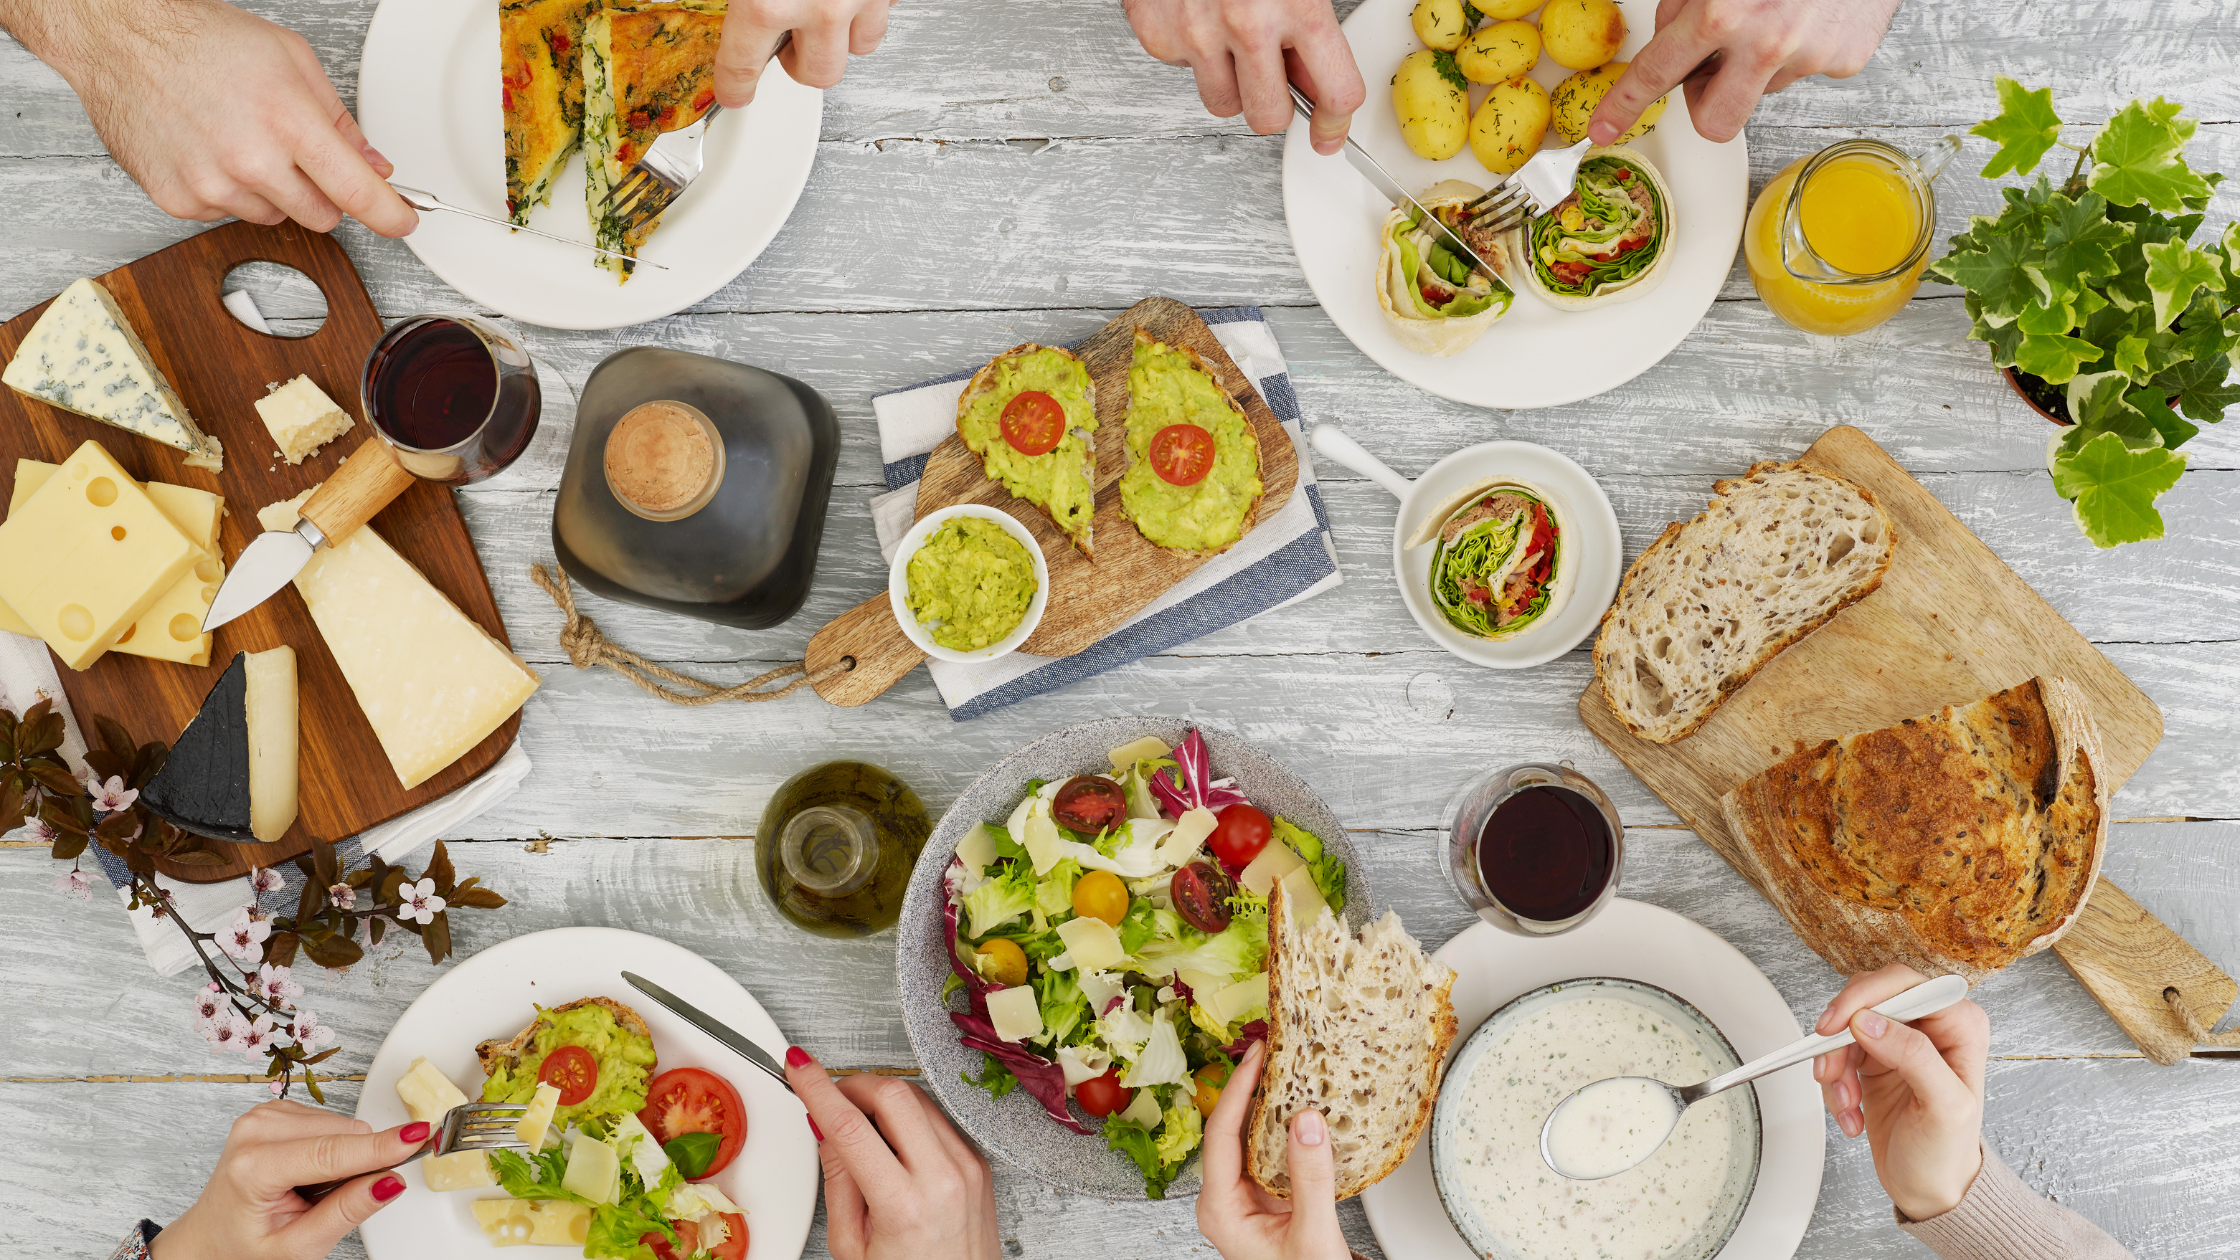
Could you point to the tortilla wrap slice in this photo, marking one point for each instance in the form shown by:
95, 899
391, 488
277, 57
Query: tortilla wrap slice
1526, 275
1440, 337
1561, 577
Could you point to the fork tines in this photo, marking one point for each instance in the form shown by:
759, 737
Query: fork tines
1501, 207
482, 1125
642, 195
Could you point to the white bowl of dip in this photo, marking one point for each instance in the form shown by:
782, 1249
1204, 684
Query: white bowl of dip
898, 585
1682, 1203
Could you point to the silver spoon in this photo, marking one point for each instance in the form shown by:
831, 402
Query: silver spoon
1654, 1108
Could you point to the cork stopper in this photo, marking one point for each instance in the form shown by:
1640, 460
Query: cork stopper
664, 460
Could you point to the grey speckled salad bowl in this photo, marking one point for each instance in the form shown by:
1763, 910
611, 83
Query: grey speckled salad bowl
1015, 1127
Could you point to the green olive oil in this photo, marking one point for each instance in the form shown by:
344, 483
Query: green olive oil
836, 847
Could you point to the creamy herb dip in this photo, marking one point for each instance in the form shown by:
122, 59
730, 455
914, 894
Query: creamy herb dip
1609, 1127
1643, 1213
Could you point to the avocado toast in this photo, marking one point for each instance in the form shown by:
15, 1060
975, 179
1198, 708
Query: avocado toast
615, 1036
1002, 419
1193, 480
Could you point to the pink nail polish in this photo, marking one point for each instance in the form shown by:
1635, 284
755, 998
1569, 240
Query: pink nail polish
417, 1131
813, 1127
387, 1188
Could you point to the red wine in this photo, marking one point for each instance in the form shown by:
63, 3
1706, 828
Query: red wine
436, 386
1546, 853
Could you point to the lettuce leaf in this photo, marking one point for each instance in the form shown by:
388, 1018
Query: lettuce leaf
1053, 893
1003, 898
994, 1076
1236, 952
1329, 873
1064, 1006
1135, 1142
533, 1176
1183, 1130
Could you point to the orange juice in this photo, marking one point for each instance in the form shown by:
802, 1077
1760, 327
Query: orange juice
1862, 217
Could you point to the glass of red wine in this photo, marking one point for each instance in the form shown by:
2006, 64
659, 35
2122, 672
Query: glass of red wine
1536, 849
454, 396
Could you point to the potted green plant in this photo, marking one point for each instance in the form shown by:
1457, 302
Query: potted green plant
2097, 305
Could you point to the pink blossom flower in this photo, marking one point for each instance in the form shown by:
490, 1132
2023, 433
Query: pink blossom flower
256, 1038
243, 939
208, 1004
112, 797
342, 896
226, 1031
421, 905
308, 1032
267, 879
273, 984
40, 830
278, 1088
74, 884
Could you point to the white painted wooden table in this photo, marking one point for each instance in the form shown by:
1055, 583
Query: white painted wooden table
1069, 175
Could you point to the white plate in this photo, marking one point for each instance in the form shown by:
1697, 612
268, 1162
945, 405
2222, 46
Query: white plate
1536, 355
775, 1177
428, 100
1636, 941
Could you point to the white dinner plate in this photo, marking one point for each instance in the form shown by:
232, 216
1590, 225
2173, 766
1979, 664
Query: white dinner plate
428, 100
775, 1177
1536, 355
1632, 940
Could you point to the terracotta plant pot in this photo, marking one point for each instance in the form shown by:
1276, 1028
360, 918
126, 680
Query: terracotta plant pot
2015, 384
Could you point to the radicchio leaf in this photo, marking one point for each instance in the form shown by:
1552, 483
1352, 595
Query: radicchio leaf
1257, 1030
976, 987
1189, 784
1037, 1075
1181, 990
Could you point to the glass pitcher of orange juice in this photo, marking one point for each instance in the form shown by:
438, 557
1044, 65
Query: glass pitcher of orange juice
1837, 241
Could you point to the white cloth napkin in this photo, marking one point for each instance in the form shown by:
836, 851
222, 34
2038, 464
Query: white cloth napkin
1288, 556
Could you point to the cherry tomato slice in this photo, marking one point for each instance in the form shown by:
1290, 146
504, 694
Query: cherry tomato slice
1088, 804
1239, 833
1104, 1095
1206, 1083
691, 1100
734, 1244
1182, 454
1201, 893
659, 1245
573, 1070
1033, 422
1101, 895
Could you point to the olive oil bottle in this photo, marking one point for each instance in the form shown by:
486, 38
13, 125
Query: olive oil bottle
836, 846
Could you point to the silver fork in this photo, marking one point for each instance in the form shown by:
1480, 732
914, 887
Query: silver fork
1533, 188
669, 166
478, 1126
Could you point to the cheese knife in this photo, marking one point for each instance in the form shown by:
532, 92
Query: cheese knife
710, 1025
1382, 180
366, 482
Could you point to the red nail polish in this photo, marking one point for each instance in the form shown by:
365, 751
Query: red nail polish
417, 1131
813, 1127
387, 1188
797, 1057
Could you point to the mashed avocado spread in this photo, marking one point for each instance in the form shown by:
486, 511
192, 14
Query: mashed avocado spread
1165, 388
970, 584
622, 1057
1058, 480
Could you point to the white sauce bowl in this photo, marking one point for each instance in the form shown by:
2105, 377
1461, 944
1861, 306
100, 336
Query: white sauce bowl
898, 585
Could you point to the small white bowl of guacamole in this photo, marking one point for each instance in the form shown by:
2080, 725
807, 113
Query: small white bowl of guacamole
968, 584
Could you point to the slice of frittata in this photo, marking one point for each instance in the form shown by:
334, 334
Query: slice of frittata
540, 48
648, 67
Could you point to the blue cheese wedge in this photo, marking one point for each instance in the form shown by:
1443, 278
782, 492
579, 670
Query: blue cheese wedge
82, 356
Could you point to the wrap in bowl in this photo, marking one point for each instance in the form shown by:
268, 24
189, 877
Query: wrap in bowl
1610, 241
1502, 566
1434, 302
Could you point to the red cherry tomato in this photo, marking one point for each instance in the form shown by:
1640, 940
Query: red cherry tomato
1033, 422
1182, 454
573, 1070
689, 1100
1088, 804
1104, 1095
734, 1244
1201, 893
1239, 833
660, 1246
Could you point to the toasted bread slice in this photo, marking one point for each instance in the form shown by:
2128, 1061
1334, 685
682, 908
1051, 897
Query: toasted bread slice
1357, 1029
494, 1052
1777, 553
540, 48
1062, 481
1208, 517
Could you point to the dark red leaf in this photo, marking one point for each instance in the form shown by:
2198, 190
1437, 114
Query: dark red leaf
333, 951
437, 937
323, 861
41, 731
476, 899
149, 764
61, 818
440, 870
107, 765
280, 948
57, 780
113, 736
376, 928
322, 1056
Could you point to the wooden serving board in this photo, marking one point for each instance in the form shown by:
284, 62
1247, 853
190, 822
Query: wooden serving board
220, 367
1950, 624
1088, 600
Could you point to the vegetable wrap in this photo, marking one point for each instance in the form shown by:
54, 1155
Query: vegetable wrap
1609, 241
1435, 302
1501, 567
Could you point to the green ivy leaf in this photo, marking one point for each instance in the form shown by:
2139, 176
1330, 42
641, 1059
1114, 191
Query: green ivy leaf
2137, 158
2175, 272
2130, 357
2056, 357
2114, 488
2096, 401
2025, 128
2176, 431
2200, 385
2003, 340
2004, 276
2079, 242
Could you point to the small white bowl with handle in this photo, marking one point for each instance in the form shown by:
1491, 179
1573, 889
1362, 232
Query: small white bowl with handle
898, 585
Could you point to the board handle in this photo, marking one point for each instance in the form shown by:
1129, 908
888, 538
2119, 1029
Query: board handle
368, 481
2126, 958
869, 635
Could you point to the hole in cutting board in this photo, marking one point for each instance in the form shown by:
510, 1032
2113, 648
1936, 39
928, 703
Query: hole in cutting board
289, 302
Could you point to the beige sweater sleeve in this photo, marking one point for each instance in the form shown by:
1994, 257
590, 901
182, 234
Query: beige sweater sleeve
2003, 1219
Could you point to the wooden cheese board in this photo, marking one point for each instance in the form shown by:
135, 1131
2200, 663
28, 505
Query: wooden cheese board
220, 366
1950, 624
1088, 600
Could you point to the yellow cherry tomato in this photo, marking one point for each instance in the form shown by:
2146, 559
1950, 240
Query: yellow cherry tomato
1101, 895
1006, 963
1210, 1079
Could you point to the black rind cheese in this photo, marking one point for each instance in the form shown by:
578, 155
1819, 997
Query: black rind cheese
204, 785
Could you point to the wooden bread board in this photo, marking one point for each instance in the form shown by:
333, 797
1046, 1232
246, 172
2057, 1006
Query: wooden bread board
220, 367
1088, 600
1950, 624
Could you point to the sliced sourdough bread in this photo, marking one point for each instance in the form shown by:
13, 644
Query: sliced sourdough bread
1777, 553
493, 1052
1062, 481
1358, 1030
1955, 842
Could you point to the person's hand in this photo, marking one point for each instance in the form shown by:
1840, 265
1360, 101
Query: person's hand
1242, 50
250, 1210
825, 33
1244, 1222
900, 1183
1763, 46
216, 112
1916, 1090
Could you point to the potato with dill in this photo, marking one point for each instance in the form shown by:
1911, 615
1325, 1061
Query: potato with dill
1509, 125
1503, 10
1582, 34
1428, 98
1443, 24
1576, 97
1499, 53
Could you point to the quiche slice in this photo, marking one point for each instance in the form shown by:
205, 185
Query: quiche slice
540, 48
648, 67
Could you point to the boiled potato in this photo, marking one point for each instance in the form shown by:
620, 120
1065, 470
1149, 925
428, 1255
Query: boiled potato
1510, 122
1503, 10
1582, 34
1499, 53
1441, 23
1433, 110
1576, 97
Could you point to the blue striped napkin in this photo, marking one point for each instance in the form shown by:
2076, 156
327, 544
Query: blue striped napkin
1288, 556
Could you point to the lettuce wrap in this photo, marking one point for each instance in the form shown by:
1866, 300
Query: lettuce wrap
1434, 301
1609, 241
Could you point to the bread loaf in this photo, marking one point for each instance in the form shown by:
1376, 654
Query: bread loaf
1357, 1029
1778, 552
1956, 842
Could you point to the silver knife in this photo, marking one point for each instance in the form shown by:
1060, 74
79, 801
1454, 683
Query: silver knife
366, 482
708, 1024
1382, 180
422, 199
